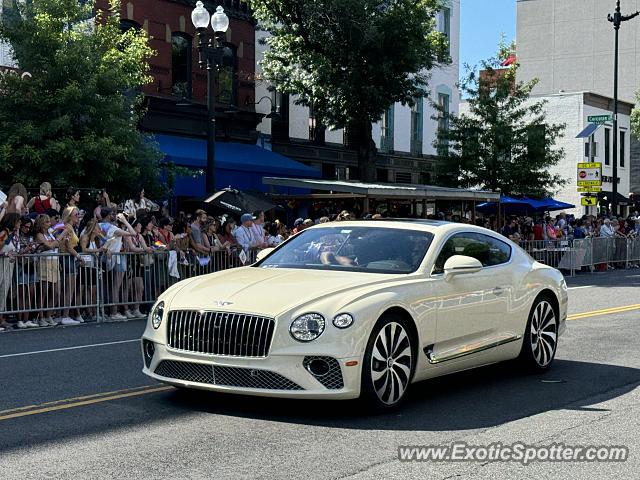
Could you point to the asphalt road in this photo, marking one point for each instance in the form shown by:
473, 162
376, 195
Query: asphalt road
89, 413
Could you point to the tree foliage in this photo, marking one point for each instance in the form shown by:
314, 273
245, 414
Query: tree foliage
351, 59
505, 142
73, 120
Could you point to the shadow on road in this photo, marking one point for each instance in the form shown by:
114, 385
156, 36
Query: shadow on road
473, 399
480, 398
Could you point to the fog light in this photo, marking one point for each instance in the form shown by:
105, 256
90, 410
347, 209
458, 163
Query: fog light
343, 320
148, 349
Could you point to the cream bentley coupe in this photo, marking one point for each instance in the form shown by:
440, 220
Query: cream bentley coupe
358, 309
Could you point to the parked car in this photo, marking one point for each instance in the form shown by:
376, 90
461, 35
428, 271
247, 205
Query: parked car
358, 309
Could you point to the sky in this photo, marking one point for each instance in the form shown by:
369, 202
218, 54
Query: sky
482, 22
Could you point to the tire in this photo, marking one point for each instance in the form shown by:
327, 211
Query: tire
386, 377
541, 336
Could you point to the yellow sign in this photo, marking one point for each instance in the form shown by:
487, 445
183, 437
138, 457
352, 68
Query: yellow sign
589, 183
589, 201
589, 189
590, 165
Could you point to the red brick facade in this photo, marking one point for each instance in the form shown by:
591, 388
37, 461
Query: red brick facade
161, 18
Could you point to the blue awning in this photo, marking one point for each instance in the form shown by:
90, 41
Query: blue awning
238, 165
592, 127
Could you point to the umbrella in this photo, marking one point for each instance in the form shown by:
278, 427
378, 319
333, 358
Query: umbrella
549, 204
508, 205
239, 202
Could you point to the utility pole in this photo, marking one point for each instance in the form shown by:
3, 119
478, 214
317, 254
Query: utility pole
617, 18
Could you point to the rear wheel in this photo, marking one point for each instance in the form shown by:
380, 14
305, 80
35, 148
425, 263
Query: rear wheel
389, 363
541, 336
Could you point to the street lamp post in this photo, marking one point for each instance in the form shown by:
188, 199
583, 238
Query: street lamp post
211, 51
617, 18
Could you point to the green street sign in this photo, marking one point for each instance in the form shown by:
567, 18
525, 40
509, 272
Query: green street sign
599, 118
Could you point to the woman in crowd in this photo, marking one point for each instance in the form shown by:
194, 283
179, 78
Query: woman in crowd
69, 242
44, 201
48, 272
91, 245
16, 201
165, 231
102, 201
25, 276
137, 265
274, 238
72, 197
225, 236
9, 228
133, 206
181, 244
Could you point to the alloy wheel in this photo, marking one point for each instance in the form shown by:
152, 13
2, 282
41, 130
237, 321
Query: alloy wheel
391, 363
544, 333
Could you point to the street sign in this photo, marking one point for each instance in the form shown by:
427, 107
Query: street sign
599, 118
589, 189
589, 201
589, 174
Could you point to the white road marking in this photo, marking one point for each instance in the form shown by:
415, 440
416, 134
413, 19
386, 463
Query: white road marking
69, 348
576, 288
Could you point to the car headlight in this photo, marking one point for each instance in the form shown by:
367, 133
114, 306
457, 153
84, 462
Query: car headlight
157, 312
307, 327
343, 320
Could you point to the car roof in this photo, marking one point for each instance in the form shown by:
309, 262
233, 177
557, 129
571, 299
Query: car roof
433, 226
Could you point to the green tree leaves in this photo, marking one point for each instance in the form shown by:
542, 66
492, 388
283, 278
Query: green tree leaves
351, 59
505, 142
74, 119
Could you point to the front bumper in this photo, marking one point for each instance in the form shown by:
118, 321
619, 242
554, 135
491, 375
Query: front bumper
287, 373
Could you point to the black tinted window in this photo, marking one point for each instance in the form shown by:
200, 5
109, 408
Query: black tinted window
364, 249
488, 250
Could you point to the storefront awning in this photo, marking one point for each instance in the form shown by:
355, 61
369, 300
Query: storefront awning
238, 165
398, 191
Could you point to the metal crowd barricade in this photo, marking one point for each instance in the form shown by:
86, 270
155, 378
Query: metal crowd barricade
50, 285
555, 253
54, 285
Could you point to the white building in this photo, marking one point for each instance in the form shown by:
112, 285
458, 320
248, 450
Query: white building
5, 51
573, 110
569, 46
404, 136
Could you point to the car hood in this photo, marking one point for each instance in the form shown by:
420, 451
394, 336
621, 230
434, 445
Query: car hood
269, 291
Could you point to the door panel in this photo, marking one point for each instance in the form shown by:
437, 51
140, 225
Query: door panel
472, 308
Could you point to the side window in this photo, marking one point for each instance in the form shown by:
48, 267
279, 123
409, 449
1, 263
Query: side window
490, 251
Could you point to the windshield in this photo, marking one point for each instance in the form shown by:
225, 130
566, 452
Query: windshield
362, 249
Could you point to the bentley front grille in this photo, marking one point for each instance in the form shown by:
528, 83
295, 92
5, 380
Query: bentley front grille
227, 376
220, 333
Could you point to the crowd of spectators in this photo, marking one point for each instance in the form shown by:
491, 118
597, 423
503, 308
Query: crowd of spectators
51, 252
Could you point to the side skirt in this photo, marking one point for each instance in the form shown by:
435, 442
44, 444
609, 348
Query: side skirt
466, 350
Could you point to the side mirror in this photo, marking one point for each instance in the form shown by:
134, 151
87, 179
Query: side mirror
460, 264
263, 253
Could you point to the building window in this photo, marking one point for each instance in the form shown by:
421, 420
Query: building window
181, 64
445, 25
536, 142
403, 177
126, 25
443, 123
316, 129
280, 124
622, 149
227, 77
607, 146
417, 113
386, 137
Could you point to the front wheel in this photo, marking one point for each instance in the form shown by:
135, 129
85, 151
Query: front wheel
388, 363
541, 336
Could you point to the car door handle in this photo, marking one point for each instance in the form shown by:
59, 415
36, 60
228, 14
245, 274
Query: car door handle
498, 291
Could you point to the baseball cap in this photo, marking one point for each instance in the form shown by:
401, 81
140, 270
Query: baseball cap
298, 221
246, 216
